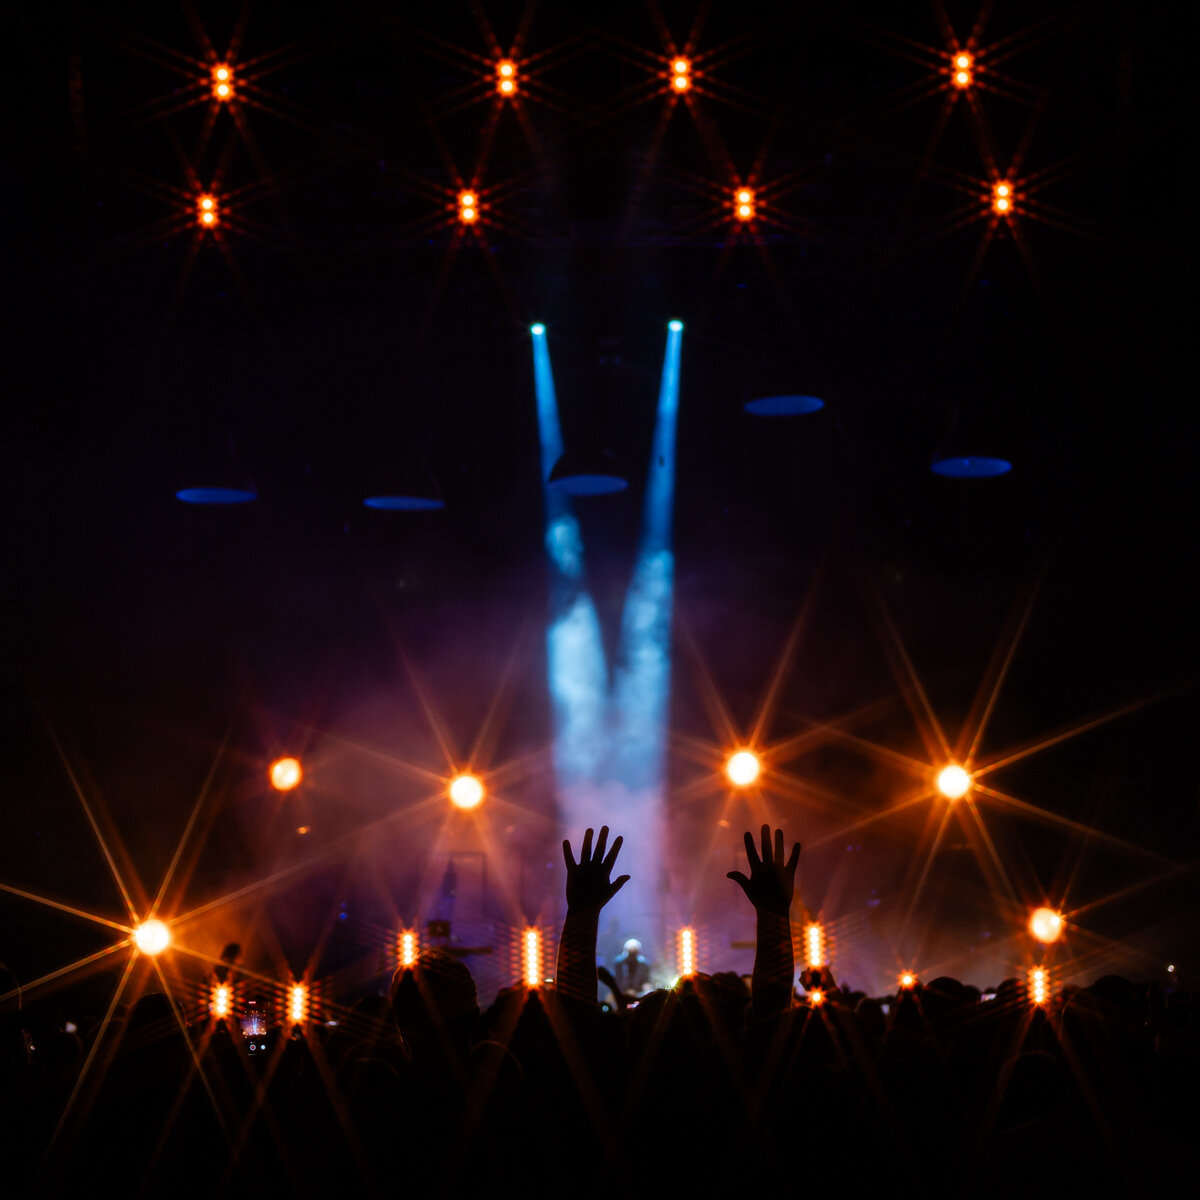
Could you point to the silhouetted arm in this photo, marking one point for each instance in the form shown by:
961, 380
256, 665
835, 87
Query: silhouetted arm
588, 890
769, 887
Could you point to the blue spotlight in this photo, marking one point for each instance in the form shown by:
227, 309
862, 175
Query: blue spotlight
216, 495
404, 503
675, 326
971, 466
783, 406
537, 329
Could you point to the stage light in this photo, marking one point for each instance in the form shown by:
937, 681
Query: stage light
742, 768
675, 326
783, 406
222, 82
1002, 198
303, 829
531, 957
537, 329
816, 997
962, 72
297, 1004
207, 212
686, 943
907, 981
970, 466
466, 791
1046, 925
743, 204
506, 77
285, 774
409, 947
814, 945
152, 937
468, 207
953, 781
681, 74
1039, 985
221, 1003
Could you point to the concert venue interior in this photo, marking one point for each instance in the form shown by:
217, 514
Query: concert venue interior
437, 430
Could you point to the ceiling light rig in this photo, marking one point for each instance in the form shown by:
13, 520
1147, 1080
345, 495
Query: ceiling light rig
743, 204
208, 213
962, 70
222, 82
506, 78
681, 75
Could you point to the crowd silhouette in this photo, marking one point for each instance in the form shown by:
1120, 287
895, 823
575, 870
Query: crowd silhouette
716, 1085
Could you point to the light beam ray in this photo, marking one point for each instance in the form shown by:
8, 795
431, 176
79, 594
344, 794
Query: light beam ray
67, 908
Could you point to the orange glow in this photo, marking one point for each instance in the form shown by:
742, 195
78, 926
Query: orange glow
222, 81
303, 829
1039, 985
687, 951
743, 204
297, 1004
506, 77
742, 768
468, 207
152, 937
1002, 197
681, 74
907, 981
531, 957
953, 781
1046, 925
286, 774
962, 75
410, 947
814, 945
221, 1003
466, 791
816, 997
207, 212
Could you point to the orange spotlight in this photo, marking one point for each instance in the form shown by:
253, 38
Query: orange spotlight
1039, 985
506, 77
1046, 925
742, 768
953, 781
531, 957
468, 207
220, 1004
1002, 198
297, 1004
409, 947
152, 937
962, 69
907, 981
466, 791
743, 204
207, 212
681, 74
285, 774
814, 945
222, 81
816, 997
686, 946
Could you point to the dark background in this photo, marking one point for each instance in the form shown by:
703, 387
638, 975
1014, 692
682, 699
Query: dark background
340, 323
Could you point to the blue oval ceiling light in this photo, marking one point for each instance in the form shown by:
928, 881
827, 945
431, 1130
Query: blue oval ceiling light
587, 473
404, 503
971, 466
783, 406
675, 326
537, 329
216, 495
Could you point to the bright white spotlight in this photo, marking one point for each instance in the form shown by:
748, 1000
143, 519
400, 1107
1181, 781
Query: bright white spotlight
297, 1004
286, 774
466, 791
1039, 985
1046, 925
1002, 198
537, 329
742, 768
409, 948
814, 945
675, 326
152, 937
907, 981
531, 957
953, 781
221, 1004
506, 77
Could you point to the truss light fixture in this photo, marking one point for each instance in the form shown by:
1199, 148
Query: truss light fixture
468, 207
963, 69
208, 213
1002, 198
506, 78
222, 82
681, 74
743, 204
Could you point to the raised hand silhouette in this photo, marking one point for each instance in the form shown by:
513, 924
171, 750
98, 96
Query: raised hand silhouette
772, 880
590, 887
